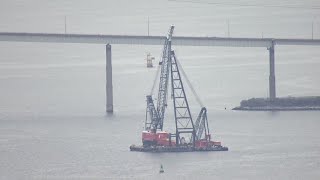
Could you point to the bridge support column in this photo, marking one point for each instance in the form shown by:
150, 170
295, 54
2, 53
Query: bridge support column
272, 78
109, 88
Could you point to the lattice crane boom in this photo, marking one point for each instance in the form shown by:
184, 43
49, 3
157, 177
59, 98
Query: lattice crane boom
164, 78
157, 113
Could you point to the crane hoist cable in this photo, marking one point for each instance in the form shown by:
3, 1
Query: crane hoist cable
189, 84
155, 81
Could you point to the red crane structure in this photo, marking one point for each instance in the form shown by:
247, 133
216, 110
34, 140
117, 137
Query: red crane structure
154, 138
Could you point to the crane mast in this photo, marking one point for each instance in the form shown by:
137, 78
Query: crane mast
182, 114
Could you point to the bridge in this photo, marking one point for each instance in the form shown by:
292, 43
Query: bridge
268, 43
152, 40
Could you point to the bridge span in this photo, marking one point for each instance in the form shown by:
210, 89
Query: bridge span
268, 43
152, 40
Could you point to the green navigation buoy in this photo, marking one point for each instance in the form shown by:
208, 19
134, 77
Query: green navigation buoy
161, 169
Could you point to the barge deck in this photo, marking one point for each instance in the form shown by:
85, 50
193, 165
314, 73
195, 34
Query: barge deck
175, 148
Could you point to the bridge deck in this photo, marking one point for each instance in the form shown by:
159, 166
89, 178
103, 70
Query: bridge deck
152, 40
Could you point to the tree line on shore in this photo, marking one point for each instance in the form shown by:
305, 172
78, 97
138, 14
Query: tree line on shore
311, 101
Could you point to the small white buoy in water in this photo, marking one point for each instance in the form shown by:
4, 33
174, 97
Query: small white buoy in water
161, 169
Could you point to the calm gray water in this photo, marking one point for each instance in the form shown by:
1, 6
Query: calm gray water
53, 123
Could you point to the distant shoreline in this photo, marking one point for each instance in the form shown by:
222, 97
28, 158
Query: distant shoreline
311, 103
277, 108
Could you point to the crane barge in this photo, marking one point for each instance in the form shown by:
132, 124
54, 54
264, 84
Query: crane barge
154, 138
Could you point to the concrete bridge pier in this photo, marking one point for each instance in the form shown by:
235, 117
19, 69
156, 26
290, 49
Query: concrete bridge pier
272, 78
109, 88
